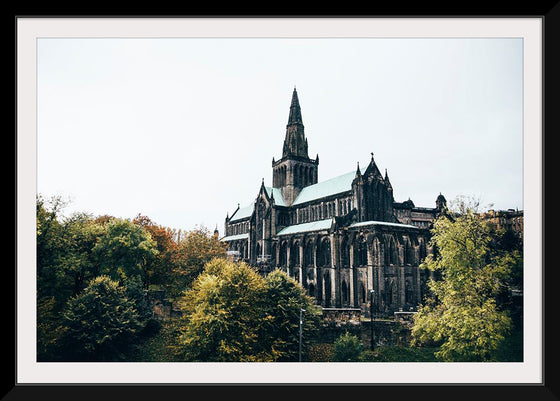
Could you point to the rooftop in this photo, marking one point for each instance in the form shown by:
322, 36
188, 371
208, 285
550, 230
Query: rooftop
306, 227
235, 237
276, 193
242, 213
380, 223
333, 186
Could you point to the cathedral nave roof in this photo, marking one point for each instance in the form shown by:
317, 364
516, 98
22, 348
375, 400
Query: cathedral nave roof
333, 186
320, 225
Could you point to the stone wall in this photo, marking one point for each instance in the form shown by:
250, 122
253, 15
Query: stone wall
386, 332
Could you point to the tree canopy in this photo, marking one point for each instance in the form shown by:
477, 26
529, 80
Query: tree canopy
187, 260
234, 314
462, 313
74, 251
99, 323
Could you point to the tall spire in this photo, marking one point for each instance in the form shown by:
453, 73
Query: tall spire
295, 110
295, 170
295, 143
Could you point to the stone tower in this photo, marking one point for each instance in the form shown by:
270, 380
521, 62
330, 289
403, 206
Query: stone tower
295, 170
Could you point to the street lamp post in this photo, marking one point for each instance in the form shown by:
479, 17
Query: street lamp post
300, 329
371, 294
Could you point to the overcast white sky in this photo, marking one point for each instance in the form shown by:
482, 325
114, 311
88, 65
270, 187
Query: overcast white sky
182, 130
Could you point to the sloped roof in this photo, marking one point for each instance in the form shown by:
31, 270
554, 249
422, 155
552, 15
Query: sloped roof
235, 237
336, 185
307, 227
247, 211
277, 194
380, 223
243, 213
333, 186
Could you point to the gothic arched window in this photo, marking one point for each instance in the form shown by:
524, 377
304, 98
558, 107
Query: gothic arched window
360, 252
294, 254
345, 253
283, 254
324, 253
308, 254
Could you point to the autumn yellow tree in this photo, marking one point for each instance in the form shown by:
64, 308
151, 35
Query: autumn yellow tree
160, 271
193, 250
233, 314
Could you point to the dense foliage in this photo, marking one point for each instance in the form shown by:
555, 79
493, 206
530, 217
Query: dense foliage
100, 322
464, 314
94, 275
234, 314
347, 348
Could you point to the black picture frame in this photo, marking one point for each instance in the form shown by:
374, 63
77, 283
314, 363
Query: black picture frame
548, 390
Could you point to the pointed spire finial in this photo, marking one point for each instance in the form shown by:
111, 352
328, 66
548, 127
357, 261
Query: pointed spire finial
295, 110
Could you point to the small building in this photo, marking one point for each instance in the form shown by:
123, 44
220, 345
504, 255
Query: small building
509, 220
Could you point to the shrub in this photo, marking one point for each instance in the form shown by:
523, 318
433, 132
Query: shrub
347, 348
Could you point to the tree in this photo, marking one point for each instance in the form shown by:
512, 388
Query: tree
347, 348
189, 257
222, 313
462, 314
49, 329
126, 250
65, 262
159, 272
231, 313
100, 323
50, 246
283, 300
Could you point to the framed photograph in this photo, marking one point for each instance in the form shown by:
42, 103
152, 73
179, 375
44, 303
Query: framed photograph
212, 123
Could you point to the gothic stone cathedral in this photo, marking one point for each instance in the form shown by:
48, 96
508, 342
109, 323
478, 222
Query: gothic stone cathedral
340, 238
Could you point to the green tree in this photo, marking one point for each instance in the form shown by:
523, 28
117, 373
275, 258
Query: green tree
49, 329
347, 348
223, 310
231, 313
100, 323
283, 300
50, 247
126, 250
64, 266
461, 314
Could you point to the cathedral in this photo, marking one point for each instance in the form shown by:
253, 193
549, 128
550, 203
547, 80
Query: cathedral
345, 239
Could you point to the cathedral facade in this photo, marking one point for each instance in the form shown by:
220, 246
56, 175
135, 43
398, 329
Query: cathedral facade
345, 239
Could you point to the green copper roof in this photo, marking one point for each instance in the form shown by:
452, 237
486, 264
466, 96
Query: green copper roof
313, 192
326, 188
235, 237
277, 194
242, 213
306, 227
380, 223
